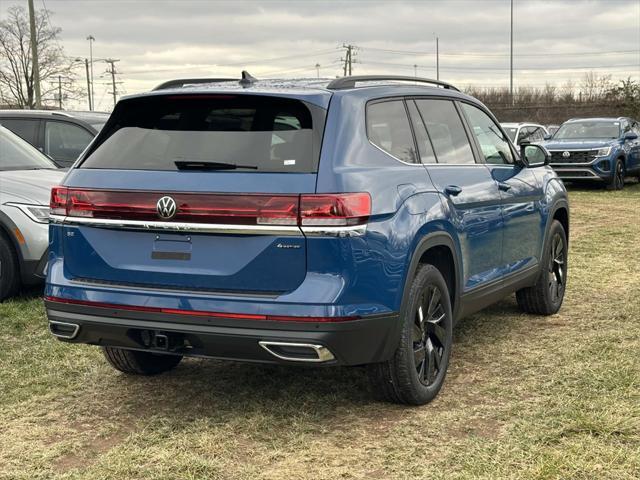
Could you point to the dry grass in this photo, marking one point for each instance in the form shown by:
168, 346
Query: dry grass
526, 396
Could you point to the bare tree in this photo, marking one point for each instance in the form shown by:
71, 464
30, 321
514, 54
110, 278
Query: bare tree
594, 86
16, 72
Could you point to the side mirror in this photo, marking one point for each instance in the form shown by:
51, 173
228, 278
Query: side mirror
547, 136
630, 136
534, 155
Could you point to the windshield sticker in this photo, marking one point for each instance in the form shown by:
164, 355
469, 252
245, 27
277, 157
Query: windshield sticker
289, 162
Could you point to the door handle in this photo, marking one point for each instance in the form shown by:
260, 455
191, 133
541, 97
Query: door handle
452, 190
504, 186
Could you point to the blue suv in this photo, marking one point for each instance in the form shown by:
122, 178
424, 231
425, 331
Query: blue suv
604, 150
350, 222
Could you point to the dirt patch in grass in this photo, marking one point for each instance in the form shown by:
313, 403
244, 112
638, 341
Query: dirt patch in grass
525, 396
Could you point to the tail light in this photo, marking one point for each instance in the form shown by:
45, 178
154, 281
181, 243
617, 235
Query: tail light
58, 203
343, 209
190, 207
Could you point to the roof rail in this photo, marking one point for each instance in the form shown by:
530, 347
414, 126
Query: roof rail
350, 82
190, 81
245, 81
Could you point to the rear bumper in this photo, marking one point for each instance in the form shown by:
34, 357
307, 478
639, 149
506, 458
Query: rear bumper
353, 342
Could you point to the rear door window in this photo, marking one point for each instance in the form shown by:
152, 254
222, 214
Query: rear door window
243, 132
446, 131
65, 141
26, 129
388, 128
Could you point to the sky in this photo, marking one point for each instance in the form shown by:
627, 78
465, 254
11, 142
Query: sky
155, 40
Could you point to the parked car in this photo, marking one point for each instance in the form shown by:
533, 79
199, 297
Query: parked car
525, 132
26, 178
197, 224
604, 150
60, 135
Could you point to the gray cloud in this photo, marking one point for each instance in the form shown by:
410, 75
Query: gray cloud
156, 40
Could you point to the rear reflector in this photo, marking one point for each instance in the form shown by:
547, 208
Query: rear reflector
198, 313
340, 209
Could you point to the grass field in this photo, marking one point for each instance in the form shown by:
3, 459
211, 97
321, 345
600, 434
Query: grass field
526, 396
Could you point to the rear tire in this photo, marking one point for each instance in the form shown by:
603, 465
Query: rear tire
546, 296
416, 372
9, 269
617, 181
134, 362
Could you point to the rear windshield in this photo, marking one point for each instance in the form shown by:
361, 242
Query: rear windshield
237, 132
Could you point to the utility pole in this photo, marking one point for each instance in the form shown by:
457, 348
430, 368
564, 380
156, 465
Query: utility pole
112, 71
86, 66
91, 39
60, 92
511, 58
437, 58
34, 54
348, 60
317, 70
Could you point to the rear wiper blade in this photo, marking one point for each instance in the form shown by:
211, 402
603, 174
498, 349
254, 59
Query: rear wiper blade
200, 165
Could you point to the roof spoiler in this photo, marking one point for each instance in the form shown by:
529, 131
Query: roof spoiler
246, 81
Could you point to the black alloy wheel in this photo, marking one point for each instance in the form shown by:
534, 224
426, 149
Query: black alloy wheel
557, 268
429, 335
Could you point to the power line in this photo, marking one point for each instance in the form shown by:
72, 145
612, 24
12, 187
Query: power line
501, 69
501, 55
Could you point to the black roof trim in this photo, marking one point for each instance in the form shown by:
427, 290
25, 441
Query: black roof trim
344, 83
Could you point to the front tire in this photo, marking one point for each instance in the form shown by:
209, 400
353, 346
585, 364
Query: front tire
617, 182
9, 269
134, 362
546, 296
416, 372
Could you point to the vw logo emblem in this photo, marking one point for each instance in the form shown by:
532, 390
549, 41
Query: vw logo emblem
566, 154
166, 208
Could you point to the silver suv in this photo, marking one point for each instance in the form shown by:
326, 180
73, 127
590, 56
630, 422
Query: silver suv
26, 178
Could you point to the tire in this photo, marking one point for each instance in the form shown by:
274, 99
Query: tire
416, 372
134, 362
9, 269
546, 296
617, 181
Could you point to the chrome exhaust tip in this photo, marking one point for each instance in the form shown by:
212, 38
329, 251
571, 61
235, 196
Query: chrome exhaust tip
298, 352
65, 330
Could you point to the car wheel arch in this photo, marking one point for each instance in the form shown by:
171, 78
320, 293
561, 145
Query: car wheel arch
430, 244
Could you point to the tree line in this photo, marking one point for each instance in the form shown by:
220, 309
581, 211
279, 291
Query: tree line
594, 96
